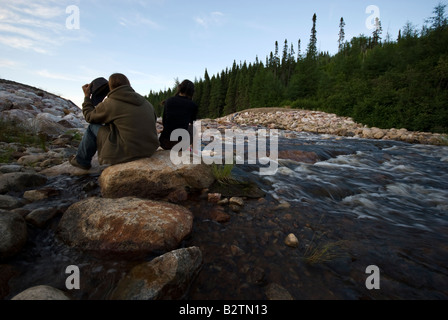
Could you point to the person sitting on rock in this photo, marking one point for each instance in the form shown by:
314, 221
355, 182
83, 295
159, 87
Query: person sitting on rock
180, 112
122, 127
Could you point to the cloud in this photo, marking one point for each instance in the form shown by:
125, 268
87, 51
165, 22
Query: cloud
213, 19
57, 76
35, 25
138, 21
5, 63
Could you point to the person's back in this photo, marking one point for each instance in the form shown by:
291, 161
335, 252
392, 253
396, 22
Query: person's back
180, 112
130, 131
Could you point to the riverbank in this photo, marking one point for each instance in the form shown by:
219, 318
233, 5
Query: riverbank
326, 123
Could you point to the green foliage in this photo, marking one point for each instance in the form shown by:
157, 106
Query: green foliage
223, 173
12, 132
401, 84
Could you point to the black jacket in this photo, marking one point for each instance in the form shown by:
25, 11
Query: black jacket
179, 112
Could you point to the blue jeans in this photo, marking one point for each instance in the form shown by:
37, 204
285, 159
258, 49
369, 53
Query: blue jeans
88, 147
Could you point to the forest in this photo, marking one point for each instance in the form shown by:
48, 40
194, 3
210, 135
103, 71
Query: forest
376, 80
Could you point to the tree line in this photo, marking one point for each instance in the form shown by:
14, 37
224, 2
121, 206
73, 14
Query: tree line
376, 80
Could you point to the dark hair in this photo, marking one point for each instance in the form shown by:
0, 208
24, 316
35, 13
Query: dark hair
186, 88
99, 90
117, 80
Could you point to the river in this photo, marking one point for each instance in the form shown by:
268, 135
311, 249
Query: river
361, 203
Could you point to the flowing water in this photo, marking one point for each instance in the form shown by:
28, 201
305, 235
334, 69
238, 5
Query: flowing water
363, 203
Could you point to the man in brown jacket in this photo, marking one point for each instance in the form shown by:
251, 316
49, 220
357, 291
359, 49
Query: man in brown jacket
122, 127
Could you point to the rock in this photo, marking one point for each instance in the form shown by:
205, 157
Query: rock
167, 277
19, 181
10, 203
13, 234
32, 159
40, 217
299, 156
214, 197
11, 168
38, 195
218, 214
41, 293
236, 201
67, 168
292, 241
125, 226
7, 272
236, 251
277, 292
235, 208
153, 178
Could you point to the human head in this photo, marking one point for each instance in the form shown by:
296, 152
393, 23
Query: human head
99, 89
117, 80
186, 88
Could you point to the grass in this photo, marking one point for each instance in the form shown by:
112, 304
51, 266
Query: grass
223, 174
12, 132
323, 252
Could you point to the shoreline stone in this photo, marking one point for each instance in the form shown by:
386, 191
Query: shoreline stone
125, 226
155, 178
325, 123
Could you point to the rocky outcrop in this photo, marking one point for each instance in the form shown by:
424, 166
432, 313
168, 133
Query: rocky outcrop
167, 277
125, 226
325, 123
154, 178
43, 112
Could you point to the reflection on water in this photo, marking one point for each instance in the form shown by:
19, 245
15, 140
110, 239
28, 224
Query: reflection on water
368, 202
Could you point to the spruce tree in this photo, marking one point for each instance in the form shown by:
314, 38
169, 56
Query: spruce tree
312, 46
341, 40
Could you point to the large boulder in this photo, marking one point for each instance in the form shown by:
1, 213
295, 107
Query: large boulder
167, 277
126, 226
41, 293
13, 234
154, 178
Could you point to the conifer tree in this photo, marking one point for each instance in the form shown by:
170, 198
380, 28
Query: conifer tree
312, 46
439, 20
341, 40
377, 32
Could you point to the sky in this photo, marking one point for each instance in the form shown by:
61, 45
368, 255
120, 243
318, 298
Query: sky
60, 45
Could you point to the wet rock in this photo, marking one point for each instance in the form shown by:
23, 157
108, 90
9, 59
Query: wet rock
125, 226
13, 234
299, 156
153, 178
10, 203
214, 197
41, 293
292, 241
219, 215
11, 168
19, 181
167, 277
40, 217
236, 201
277, 292
236, 251
6, 273
38, 195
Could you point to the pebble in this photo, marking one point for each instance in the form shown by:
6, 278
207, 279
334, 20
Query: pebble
292, 241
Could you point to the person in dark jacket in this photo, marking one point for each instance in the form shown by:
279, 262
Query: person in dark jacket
180, 112
122, 127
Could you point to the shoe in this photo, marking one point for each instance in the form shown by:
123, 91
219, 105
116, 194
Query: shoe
75, 163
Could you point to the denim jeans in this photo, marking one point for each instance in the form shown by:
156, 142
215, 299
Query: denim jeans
88, 147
